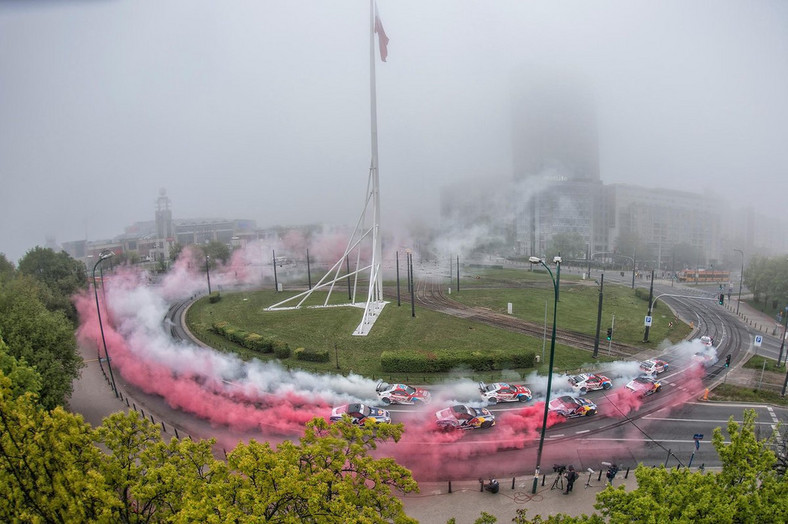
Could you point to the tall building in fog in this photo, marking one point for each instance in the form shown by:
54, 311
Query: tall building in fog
556, 162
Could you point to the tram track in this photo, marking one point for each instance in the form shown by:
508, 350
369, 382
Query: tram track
430, 295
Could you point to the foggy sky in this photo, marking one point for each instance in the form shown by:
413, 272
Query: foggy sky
260, 109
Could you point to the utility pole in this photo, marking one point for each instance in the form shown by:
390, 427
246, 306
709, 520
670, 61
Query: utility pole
399, 303
598, 316
650, 305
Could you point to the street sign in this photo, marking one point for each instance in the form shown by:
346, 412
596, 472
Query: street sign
758, 340
648, 320
698, 436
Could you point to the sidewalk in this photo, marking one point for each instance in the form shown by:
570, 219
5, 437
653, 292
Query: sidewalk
466, 502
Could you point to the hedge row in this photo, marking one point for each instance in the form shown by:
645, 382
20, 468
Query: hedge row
312, 355
415, 361
253, 341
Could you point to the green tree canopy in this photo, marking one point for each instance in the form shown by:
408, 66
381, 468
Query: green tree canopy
60, 275
23, 378
43, 339
49, 467
748, 489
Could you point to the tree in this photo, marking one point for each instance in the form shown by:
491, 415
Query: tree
60, 275
42, 338
328, 477
7, 269
23, 378
217, 251
49, 467
154, 480
748, 489
569, 245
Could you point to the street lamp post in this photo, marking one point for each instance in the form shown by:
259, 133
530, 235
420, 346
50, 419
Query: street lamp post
208, 272
782, 344
103, 256
556, 281
741, 278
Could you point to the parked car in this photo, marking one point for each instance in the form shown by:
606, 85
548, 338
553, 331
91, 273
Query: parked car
504, 392
570, 407
360, 413
402, 394
463, 416
585, 382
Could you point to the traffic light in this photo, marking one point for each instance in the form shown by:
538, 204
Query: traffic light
609, 333
722, 298
727, 361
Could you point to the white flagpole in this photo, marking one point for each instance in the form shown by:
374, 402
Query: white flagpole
376, 286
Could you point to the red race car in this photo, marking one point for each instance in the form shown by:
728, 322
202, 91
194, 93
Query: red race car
644, 386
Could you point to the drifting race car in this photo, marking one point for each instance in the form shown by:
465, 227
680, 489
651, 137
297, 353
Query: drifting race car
402, 394
360, 413
653, 367
644, 386
503, 392
571, 407
706, 341
707, 358
462, 416
585, 382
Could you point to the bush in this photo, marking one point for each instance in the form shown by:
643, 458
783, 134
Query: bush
415, 361
254, 342
312, 355
220, 327
281, 349
214, 297
238, 336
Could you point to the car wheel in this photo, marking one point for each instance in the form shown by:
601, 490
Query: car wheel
607, 385
386, 401
492, 400
417, 402
487, 424
657, 388
522, 398
583, 391
590, 412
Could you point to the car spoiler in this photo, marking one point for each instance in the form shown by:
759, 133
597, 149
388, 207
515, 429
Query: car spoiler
482, 387
381, 386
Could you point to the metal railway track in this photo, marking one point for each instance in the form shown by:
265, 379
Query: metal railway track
429, 294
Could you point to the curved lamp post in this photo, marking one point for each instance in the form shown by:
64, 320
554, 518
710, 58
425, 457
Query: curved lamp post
741, 278
556, 281
103, 256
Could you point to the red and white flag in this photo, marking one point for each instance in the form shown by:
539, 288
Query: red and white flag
383, 40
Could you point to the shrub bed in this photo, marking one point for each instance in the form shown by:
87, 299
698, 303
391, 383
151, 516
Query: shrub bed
312, 355
416, 361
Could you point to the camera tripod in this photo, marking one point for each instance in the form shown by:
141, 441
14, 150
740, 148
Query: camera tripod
558, 483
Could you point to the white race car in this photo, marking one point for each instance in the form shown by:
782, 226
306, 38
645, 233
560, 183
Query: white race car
504, 392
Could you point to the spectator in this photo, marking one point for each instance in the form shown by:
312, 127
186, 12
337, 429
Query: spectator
571, 477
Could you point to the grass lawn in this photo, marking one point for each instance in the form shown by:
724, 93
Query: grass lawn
528, 291
728, 392
577, 307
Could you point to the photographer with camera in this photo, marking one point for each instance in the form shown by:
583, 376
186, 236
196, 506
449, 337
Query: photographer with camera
558, 483
492, 486
612, 469
571, 477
